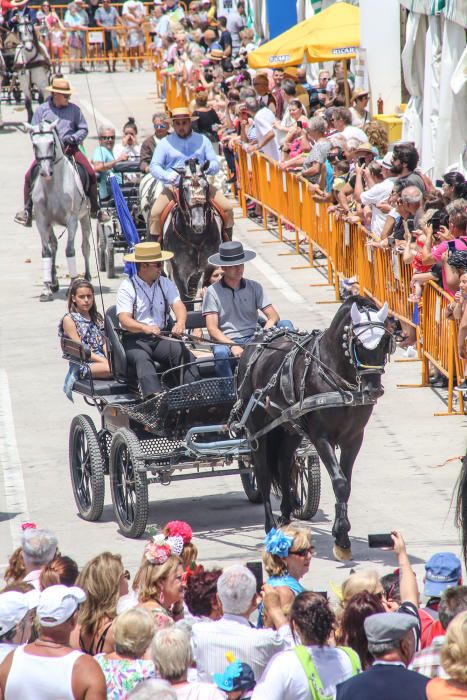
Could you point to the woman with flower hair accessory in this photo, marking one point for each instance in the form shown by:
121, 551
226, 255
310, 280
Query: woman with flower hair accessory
286, 558
159, 580
189, 554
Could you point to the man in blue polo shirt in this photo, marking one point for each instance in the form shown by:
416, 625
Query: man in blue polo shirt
231, 306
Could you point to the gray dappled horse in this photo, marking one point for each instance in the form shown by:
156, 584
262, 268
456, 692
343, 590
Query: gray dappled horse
32, 63
58, 198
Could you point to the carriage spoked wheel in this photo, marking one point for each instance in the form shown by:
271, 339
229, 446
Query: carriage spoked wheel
249, 484
86, 468
101, 243
129, 487
308, 483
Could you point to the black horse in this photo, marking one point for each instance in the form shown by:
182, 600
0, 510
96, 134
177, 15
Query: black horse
345, 362
461, 509
194, 231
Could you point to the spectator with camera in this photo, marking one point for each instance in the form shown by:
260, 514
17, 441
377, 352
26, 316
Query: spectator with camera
373, 186
454, 238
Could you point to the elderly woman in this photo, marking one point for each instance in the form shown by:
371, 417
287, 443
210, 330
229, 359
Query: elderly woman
454, 662
159, 582
313, 668
172, 656
316, 159
104, 580
123, 668
287, 558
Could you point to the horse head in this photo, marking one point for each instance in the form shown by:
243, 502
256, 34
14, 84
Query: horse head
360, 329
46, 145
194, 195
26, 33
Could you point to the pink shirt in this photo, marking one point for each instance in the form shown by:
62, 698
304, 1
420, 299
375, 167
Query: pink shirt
437, 251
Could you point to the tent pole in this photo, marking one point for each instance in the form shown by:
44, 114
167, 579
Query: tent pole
346, 83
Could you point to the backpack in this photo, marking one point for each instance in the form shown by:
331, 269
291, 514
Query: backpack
314, 681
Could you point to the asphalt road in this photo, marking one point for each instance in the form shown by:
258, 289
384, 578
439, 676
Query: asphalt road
401, 479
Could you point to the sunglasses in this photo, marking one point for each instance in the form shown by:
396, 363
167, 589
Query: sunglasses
108, 138
302, 552
160, 126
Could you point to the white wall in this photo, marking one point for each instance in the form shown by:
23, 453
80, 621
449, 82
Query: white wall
380, 36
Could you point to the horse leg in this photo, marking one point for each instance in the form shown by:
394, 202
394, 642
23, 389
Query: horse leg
72, 226
286, 445
341, 488
48, 259
263, 478
86, 246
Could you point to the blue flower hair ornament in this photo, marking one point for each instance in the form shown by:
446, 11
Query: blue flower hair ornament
277, 543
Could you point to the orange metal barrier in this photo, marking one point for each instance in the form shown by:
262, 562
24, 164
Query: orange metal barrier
380, 272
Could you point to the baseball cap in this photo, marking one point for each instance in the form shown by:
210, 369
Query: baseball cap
58, 603
388, 628
14, 607
442, 570
237, 676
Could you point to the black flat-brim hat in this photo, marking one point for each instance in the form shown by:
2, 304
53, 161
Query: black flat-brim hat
231, 253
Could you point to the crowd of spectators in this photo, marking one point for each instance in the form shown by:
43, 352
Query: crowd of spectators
178, 630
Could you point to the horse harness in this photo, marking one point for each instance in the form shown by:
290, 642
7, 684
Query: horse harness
351, 339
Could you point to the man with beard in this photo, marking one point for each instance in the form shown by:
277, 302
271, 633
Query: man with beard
404, 162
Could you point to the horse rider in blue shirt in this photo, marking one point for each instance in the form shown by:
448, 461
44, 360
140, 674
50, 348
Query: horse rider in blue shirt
72, 129
172, 152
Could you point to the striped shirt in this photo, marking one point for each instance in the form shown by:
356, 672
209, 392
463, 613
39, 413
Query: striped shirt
233, 633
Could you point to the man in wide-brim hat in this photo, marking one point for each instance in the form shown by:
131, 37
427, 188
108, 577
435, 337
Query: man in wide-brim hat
144, 303
72, 129
172, 152
231, 306
13, 9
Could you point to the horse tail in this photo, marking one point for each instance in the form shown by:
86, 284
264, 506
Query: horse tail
461, 506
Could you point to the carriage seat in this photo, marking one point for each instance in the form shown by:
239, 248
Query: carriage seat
80, 354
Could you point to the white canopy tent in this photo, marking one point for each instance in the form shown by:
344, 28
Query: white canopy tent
435, 118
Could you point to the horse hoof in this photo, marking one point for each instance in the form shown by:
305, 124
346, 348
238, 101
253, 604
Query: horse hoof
341, 553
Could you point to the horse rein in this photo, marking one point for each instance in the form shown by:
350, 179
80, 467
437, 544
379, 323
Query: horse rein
352, 334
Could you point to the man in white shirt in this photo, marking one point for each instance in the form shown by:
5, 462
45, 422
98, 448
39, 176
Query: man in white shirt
343, 122
377, 193
143, 309
263, 120
236, 590
39, 547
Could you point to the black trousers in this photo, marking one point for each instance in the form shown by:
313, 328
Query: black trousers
143, 350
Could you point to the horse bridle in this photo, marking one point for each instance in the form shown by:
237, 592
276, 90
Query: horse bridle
185, 210
351, 338
52, 157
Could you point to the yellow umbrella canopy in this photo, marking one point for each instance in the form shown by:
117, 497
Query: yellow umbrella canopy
331, 35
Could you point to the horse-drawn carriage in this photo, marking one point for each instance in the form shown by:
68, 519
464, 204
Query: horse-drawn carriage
182, 433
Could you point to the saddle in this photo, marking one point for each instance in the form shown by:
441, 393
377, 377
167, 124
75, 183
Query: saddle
83, 174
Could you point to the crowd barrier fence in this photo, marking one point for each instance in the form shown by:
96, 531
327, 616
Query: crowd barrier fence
380, 273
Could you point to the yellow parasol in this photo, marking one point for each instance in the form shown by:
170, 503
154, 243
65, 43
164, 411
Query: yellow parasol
331, 35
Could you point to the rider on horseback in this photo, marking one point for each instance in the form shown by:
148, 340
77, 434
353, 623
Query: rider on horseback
72, 130
172, 152
17, 9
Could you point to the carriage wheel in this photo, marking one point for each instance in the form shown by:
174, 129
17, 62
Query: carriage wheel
110, 260
129, 486
86, 468
249, 484
308, 487
101, 247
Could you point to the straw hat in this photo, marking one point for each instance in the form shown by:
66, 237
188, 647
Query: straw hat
359, 92
182, 113
148, 252
215, 55
60, 85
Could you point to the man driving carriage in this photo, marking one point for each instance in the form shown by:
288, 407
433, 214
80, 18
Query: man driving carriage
143, 309
231, 306
172, 152
72, 129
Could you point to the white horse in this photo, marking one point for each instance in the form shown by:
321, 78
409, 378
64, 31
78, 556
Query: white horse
32, 64
58, 198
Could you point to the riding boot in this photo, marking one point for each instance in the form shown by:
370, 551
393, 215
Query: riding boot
24, 217
227, 234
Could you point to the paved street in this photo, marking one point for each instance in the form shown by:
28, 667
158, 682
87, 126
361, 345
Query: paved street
400, 480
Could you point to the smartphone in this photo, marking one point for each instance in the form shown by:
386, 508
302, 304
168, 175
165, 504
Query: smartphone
362, 161
256, 568
439, 183
380, 541
451, 246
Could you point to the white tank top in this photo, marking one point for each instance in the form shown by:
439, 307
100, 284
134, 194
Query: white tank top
40, 677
